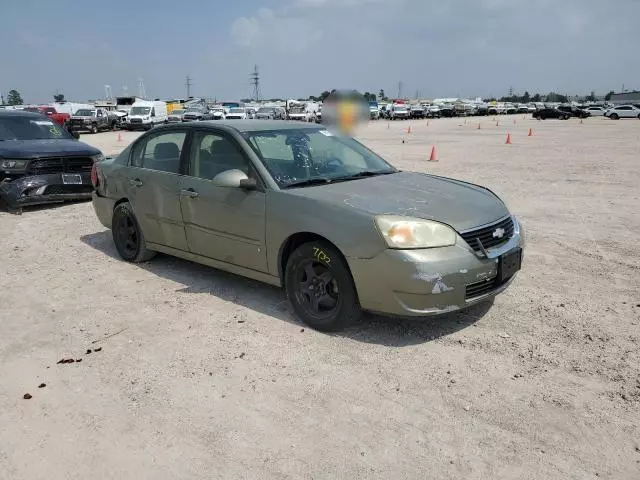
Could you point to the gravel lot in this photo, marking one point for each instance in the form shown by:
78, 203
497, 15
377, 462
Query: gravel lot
202, 374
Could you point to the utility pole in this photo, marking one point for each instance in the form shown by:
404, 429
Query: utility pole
255, 81
187, 83
141, 90
400, 89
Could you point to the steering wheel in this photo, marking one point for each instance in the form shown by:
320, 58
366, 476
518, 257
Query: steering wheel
332, 164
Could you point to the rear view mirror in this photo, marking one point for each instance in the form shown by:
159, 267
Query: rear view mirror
234, 179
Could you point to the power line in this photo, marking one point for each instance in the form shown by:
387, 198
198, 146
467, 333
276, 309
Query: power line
255, 81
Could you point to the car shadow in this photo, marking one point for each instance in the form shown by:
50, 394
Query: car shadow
268, 300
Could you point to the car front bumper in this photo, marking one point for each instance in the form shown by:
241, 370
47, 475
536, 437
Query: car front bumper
46, 188
431, 281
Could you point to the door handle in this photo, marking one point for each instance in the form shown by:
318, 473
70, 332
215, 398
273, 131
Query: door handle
135, 182
189, 193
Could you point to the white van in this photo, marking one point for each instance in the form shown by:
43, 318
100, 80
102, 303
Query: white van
144, 115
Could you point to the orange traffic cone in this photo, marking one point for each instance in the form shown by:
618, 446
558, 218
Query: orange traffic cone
508, 142
530, 132
119, 137
409, 129
433, 157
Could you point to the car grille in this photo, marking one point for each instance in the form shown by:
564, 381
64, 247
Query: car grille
485, 235
478, 289
60, 165
135, 120
66, 189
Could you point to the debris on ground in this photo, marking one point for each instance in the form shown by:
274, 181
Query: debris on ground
66, 360
27, 396
504, 335
42, 385
97, 349
88, 351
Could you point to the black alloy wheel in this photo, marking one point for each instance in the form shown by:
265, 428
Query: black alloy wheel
320, 288
128, 236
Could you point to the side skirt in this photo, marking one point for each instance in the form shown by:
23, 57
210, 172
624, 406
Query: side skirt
227, 267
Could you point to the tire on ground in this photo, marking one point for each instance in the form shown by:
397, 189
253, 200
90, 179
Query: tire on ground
347, 309
141, 252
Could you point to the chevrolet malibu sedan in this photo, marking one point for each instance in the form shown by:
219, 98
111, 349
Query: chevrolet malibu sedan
300, 207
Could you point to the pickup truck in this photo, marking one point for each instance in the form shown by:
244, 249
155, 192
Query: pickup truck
60, 118
93, 120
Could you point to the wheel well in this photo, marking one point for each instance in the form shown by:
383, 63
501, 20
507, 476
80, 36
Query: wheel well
122, 200
293, 242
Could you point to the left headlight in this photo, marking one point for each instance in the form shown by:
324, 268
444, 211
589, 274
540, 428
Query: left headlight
98, 158
407, 232
13, 164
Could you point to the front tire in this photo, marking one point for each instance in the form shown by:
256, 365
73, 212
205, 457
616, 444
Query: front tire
614, 116
128, 236
94, 128
320, 288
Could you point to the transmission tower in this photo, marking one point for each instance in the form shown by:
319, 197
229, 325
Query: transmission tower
107, 92
141, 91
400, 89
187, 83
255, 81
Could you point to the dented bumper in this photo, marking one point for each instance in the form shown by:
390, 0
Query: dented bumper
431, 281
47, 188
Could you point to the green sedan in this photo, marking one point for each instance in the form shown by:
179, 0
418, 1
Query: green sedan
298, 206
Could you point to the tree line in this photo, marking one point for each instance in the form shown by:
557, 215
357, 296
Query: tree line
14, 98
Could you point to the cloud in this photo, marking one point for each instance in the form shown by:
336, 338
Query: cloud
268, 30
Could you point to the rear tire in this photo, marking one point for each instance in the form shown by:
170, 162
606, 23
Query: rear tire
94, 128
614, 116
128, 236
320, 287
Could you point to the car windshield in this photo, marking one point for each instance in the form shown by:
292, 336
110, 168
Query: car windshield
295, 157
236, 110
84, 112
231, 104
140, 110
30, 128
266, 110
296, 109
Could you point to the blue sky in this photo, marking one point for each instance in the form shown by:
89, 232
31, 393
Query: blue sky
439, 48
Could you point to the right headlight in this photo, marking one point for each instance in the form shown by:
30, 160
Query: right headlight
407, 232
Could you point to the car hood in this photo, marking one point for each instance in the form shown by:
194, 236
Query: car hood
459, 204
45, 148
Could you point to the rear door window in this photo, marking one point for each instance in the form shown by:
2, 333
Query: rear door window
159, 152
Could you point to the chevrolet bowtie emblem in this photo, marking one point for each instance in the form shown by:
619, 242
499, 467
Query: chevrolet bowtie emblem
498, 233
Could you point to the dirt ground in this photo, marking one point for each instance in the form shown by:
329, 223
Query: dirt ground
202, 374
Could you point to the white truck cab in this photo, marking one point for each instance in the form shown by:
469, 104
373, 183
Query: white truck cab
144, 115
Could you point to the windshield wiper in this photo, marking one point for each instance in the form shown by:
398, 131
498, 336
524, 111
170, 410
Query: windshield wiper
309, 181
363, 174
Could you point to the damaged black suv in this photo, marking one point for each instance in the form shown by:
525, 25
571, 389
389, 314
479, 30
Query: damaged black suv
40, 162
